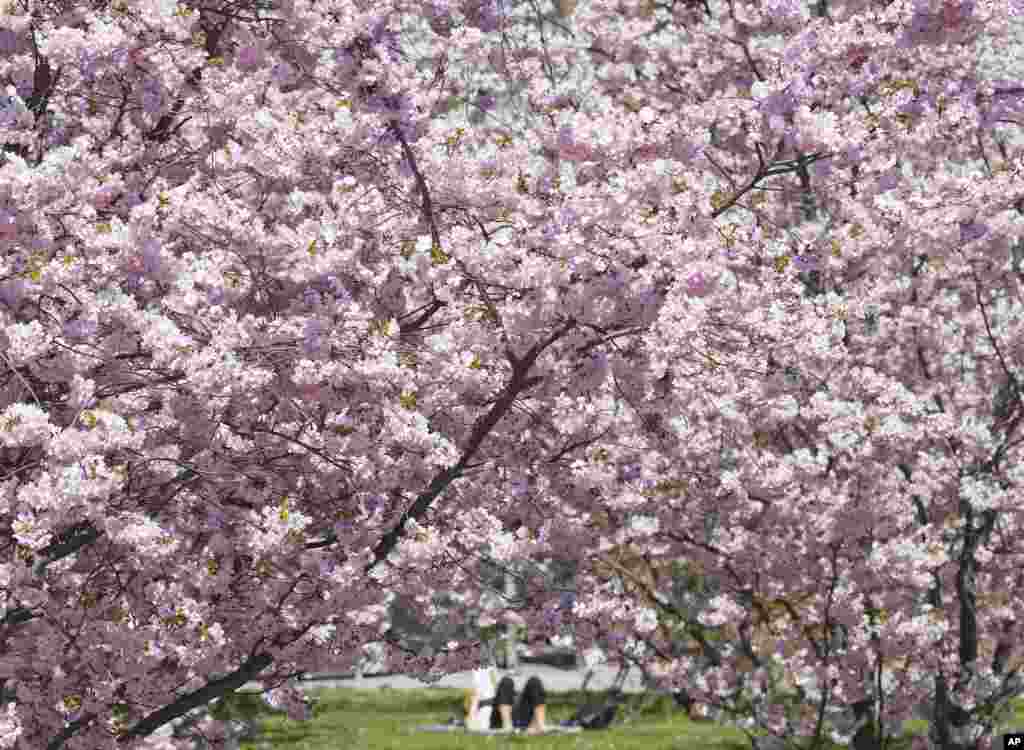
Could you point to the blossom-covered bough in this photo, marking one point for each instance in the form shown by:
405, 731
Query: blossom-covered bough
280, 339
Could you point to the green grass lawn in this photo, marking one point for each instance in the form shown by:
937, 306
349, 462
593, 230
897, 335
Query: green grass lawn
375, 719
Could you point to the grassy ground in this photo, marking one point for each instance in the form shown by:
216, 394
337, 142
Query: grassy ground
375, 719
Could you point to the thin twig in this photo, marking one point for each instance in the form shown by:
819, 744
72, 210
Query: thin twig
22, 379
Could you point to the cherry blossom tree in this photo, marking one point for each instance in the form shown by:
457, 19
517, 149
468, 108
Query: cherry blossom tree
279, 342
807, 266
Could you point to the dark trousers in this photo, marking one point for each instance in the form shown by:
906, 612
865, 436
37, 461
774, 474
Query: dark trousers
533, 695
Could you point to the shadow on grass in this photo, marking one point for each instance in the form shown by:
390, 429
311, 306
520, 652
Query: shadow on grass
382, 719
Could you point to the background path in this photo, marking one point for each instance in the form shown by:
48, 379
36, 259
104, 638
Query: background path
555, 679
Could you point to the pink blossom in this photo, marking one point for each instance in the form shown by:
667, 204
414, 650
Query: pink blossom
275, 347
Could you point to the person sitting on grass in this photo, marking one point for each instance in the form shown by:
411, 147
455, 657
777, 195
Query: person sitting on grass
526, 713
